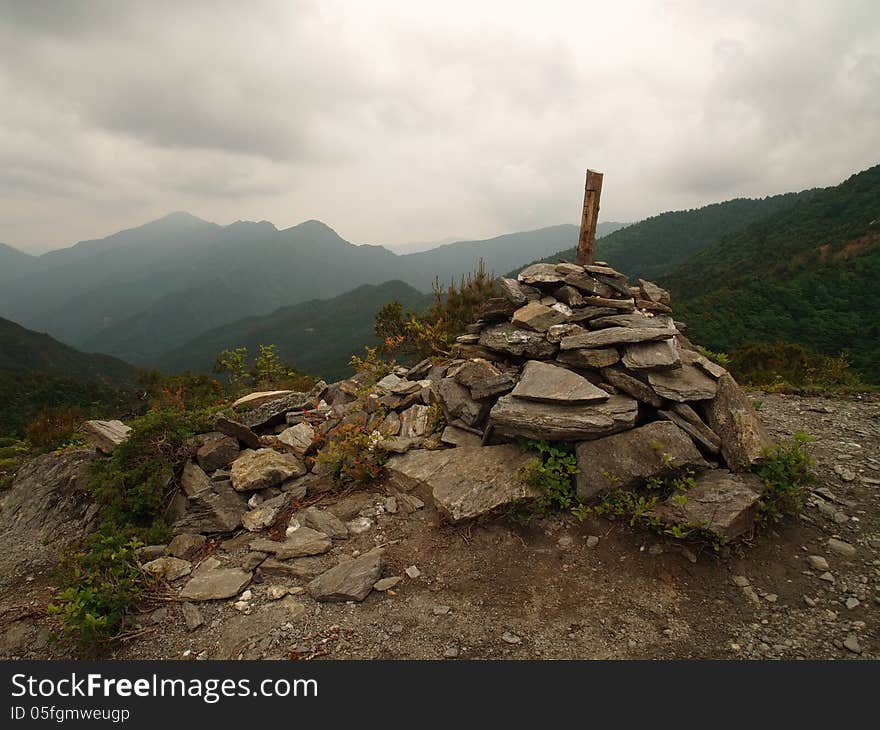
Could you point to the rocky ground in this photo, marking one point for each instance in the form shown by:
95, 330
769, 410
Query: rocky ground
557, 589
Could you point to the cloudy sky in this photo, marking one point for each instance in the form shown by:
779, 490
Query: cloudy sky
413, 121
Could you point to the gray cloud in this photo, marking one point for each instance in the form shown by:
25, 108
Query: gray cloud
395, 124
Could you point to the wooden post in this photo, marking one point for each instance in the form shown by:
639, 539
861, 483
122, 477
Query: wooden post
587, 239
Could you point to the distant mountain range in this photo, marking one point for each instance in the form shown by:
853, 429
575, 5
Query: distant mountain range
146, 291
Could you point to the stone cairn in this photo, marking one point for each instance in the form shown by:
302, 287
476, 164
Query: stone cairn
569, 353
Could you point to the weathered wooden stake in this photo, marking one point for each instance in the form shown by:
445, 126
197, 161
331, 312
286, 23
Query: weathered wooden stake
587, 239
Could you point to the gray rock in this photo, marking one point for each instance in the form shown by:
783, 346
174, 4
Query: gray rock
635, 320
842, 548
616, 336
517, 417
653, 293
414, 422
217, 451
264, 515
454, 436
168, 568
186, 545
630, 385
518, 342
537, 317
592, 541
817, 562
105, 435
384, 584
689, 357
253, 400
215, 583
559, 332
686, 383
548, 383
602, 357
661, 355
465, 482
720, 501
569, 295
264, 468
586, 284
193, 480
456, 402
513, 290
852, 644
237, 430
323, 521
299, 543
730, 415
349, 581
626, 460
299, 438
540, 274
213, 510
687, 419
274, 412
192, 616
483, 380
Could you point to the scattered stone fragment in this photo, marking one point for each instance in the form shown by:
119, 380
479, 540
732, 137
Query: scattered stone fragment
186, 545
351, 580
513, 290
324, 521
741, 581
508, 637
384, 584
168, 568
844, 549
546, 383
217, 451
299, 438
215, 583
260, 518
238, 431
454, 436
264, 468
817, 562
276, 592
441, 610
627, 459
844, 472
555, 422
413, 572
301, 542
852, 602
852, 644
414, 422
192, 616
592, 541
359, 525
451, 652
827, 577
105, 435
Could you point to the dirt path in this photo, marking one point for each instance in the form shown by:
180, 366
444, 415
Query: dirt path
495, 591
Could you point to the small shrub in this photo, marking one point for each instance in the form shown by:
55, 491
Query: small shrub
353, 455
53, 427
101, 585
552, 476
719, 358
785, 471
787, 367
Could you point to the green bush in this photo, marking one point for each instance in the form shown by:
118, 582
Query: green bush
100, 585
783, 366
353, 455
785, 471
551, 474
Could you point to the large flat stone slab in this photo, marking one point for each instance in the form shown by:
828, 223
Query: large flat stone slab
215, 583
537, 317
626, 460
731, 415
252, 400
662, 355
298, 544
602, 357
720, 501
554, 422
217, 451
632, 386
518, 342
548, 383
351, 580
540, 274
264, 468
610, 336
464, 482
687, 383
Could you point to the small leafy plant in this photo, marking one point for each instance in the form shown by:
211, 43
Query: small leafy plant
552, 475
785, 471
353, 455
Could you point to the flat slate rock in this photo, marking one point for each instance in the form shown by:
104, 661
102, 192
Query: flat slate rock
688, 420
237, 430
105, 435
602, 357
351, 580
518, 342
323, 521
661, 355
549, 421
299, 438
483, 379
264, 468
720, 501
537, 317
635, 320
274, 412
298, 544
731, 415
626, 460
217, 451
213, 510
687, 383
616, 336
252, 400
456, 402
632, 386
540, 274
548, 383
215, 583
455, 436
464, 482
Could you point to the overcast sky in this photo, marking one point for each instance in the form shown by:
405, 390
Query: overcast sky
413, 121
